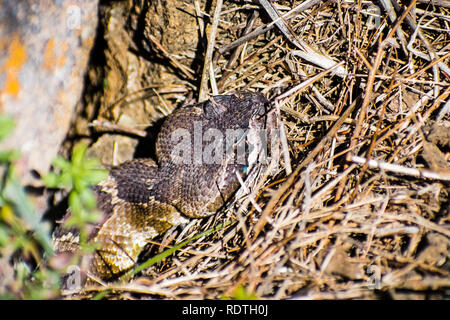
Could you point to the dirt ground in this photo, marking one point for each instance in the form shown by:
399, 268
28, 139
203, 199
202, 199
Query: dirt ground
358, 207
338, 226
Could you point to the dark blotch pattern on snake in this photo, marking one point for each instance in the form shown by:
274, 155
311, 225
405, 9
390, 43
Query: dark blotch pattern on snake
141, 199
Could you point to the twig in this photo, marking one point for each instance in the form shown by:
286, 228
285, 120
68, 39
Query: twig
439, 3
288, 183
198, 13
419, 72
250, 195
371, 79
306, 52
185, 70
445, 110
424, 173
301, 7
109, 126
387, 4
203, 92
431, 52
308, 82
248, 28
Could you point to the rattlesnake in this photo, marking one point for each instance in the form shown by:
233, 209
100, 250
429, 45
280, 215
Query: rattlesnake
141, 199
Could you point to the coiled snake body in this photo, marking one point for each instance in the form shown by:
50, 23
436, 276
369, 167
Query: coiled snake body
141, 199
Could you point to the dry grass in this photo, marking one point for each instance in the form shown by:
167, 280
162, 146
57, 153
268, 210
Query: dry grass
337, 225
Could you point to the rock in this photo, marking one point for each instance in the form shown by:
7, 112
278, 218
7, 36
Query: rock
44, 53
132, 82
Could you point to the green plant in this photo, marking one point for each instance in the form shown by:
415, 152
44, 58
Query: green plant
76, 176
241, 293
23, 236
166, 253
25, 240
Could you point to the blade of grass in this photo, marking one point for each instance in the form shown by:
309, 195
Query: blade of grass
168, 252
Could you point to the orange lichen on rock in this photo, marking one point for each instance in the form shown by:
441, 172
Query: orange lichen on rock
51, 60
48, 54
17, 56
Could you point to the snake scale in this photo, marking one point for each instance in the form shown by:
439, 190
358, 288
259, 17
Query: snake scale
141, 199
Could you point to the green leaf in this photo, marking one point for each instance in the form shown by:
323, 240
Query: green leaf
6, 126
241, 294
78, 154
9, 155
77, 175
96, 176
88, 198
4, 235
51, 180
14, 194
75, 204
61, 163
